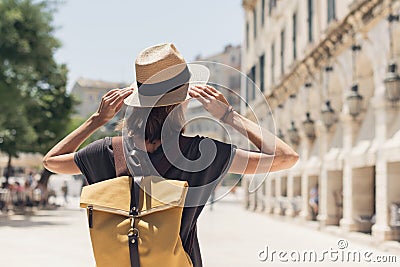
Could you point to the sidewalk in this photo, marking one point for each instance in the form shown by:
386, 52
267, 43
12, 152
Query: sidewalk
46, 238
229, 236
232, 236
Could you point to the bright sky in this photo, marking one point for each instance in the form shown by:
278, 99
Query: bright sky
101, 38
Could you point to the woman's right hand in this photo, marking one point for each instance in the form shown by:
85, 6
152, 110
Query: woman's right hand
111, 103
212, 99
60, 159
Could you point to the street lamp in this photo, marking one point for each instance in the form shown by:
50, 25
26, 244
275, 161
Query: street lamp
392, 79
392, 83
328, 115
293, 134
327, 112
309, 127
354, 100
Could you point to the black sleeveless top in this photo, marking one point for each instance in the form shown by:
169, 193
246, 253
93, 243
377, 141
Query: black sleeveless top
96, 162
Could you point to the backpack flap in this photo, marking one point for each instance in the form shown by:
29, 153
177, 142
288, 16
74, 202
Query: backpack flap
160, 194
111, 195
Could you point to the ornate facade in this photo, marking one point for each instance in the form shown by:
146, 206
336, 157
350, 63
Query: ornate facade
323, 65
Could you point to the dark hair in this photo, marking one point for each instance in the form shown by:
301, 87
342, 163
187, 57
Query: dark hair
151, 120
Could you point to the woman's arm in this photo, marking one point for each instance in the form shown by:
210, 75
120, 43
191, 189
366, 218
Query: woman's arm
60, 159
274, 154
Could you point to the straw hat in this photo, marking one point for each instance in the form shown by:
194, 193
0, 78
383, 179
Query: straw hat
163, 77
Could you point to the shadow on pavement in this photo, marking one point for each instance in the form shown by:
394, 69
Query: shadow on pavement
31, 219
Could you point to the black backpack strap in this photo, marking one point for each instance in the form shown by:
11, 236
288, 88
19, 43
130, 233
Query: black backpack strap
134, 232
122, 169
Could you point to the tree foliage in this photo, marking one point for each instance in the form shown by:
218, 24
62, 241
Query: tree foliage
35, 108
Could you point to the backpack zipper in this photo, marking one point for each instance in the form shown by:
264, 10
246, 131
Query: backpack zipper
92, 207
107, 209
90, 216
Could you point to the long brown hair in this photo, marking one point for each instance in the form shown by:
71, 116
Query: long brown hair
151, 120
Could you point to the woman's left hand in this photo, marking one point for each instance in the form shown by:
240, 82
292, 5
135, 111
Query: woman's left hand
212, 99
111, 103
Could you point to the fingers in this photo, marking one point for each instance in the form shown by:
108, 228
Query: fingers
112, 94
212, 89
117, 90
119, 98
204, 91
114, 100
195, 94
210, 92
207, 96
209, 89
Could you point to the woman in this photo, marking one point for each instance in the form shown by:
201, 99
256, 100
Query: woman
163, 80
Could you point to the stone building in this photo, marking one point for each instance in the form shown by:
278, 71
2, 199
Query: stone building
327, 70
89, 93
224, 73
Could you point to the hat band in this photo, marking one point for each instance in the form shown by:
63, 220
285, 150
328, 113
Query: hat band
161, 88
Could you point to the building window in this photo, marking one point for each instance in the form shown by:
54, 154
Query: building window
273, 63
331, 10
247, 35
262, 11
262, 63
310, 20
294, 36
251, 87
253, 79
271, 6
282, 51
247, 88
255, 22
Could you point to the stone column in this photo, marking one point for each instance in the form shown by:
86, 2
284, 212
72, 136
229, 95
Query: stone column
279, 189
305, 178
290, 195
347, 223
272, 200
325, 138
269, 194
323, 197
246, 199
307, 183
328, 184
305, 210
381, 230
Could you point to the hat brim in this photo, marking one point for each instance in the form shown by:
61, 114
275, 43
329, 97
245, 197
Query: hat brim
199, 75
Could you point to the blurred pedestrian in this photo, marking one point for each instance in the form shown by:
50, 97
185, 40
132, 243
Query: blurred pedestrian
28, 194
313, 201
64, 190
30, 179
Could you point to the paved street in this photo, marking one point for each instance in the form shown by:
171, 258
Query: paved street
232, 236
229, 236
48, 238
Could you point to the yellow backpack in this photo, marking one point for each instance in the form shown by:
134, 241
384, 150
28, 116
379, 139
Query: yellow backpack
136, 221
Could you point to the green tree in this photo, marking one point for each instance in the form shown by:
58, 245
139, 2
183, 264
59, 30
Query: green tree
35, 107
